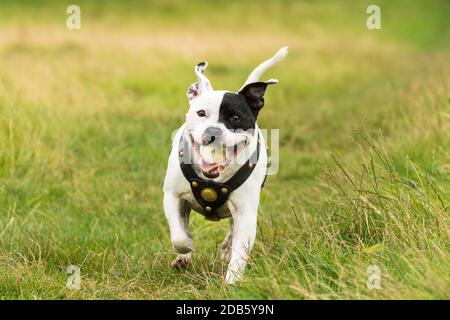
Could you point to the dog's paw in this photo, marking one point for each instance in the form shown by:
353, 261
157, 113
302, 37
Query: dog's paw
232, 277
225, 251
182, 261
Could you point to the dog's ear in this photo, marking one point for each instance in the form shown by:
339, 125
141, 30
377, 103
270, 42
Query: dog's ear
254, 94
193, 91
202, 85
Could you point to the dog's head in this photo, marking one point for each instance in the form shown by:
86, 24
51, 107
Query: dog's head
220, 124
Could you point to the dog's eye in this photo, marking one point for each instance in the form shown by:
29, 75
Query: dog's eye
201, 113
235, 118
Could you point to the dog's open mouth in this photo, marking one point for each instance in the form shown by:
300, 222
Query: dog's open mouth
214, 157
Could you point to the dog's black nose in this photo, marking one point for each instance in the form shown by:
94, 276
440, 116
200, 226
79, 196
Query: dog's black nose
211, 134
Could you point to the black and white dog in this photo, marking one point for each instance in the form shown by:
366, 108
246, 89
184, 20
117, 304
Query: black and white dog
217, 166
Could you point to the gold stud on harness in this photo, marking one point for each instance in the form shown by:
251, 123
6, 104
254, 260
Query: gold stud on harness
208, 194
194, 184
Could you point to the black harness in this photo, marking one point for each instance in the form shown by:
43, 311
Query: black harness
209, 194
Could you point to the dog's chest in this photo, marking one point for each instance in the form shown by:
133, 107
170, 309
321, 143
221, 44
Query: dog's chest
221, 213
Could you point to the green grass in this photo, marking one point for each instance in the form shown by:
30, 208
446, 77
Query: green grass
86, 119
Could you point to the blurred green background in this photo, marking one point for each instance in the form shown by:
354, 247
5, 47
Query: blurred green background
86, 118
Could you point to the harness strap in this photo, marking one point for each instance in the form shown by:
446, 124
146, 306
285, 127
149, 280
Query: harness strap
209, 194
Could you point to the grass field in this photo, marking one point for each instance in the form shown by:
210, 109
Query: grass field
86, 119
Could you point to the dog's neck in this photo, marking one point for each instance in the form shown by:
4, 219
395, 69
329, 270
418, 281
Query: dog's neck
231, 169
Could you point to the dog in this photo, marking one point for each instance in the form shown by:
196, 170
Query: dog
217, 166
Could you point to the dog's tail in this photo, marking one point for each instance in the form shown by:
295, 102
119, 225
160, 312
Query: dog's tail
259, 70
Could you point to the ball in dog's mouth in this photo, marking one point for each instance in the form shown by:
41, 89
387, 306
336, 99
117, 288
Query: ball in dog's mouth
213, 158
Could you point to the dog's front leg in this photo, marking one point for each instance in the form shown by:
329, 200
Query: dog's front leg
225, 247
177, 215
244, 233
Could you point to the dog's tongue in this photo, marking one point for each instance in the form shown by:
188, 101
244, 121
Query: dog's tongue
211, 158
206, 167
